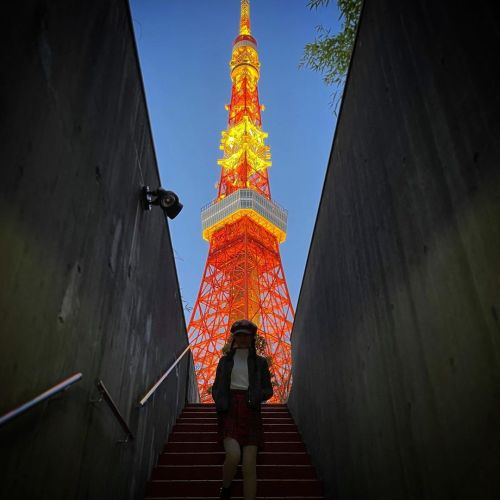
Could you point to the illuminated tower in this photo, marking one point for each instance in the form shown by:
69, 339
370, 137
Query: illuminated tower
243, 276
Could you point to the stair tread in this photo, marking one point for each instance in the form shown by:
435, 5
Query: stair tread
200, 416
218, 466
211, 471
214, 424
222, 453
284, 446
235, 480
215, 432
217, 458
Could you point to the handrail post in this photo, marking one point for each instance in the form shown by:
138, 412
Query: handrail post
106, 396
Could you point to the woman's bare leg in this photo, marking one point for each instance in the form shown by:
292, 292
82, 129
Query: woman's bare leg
249, 464
233, 454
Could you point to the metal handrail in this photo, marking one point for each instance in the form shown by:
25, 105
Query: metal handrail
107, 397
143, 401
61, 386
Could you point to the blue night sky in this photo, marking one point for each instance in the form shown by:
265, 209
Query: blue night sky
184, 48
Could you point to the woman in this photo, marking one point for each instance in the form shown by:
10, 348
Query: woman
242, 382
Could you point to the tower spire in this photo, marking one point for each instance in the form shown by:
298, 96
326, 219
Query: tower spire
245, 18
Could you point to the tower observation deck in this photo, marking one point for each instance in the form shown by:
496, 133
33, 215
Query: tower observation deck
243, 276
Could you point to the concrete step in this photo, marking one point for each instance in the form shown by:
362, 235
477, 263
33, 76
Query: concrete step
203, 436
210, 487
213, 420
233, 497
194, 409
212, 427
212, 405
217, 458
207, 446
198, 472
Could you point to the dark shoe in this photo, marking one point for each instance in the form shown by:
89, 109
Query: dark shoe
225, 493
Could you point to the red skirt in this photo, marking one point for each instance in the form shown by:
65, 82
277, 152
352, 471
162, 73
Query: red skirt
241, 422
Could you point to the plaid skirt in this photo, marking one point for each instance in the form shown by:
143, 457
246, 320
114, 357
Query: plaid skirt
240, 422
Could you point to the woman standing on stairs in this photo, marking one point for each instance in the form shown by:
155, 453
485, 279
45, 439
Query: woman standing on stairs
242, 382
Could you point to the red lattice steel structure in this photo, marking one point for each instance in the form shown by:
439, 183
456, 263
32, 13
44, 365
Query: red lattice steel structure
243, 276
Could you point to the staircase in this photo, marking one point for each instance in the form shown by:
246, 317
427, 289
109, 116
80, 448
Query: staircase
190, 466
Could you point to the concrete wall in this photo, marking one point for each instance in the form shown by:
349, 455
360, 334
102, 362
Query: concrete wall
396, 343
88, 281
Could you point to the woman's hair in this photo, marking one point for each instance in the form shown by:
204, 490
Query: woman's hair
227, 346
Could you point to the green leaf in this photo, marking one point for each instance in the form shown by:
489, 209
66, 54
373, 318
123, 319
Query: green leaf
330, 54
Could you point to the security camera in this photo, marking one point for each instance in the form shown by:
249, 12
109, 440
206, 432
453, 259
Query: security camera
167, 200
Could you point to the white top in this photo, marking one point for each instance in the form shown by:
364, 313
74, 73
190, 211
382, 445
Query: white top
239, 374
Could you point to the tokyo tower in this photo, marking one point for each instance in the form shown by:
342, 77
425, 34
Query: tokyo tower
243, 276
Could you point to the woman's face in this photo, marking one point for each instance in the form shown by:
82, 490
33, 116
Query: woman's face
242, 341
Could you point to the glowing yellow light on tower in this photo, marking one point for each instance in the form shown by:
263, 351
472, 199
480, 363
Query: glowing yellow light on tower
251, 214
245, 18
247, 139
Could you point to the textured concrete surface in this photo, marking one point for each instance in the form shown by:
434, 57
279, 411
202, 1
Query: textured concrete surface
88, 281
396, 342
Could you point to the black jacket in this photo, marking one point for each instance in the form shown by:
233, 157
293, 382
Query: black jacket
259, 381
